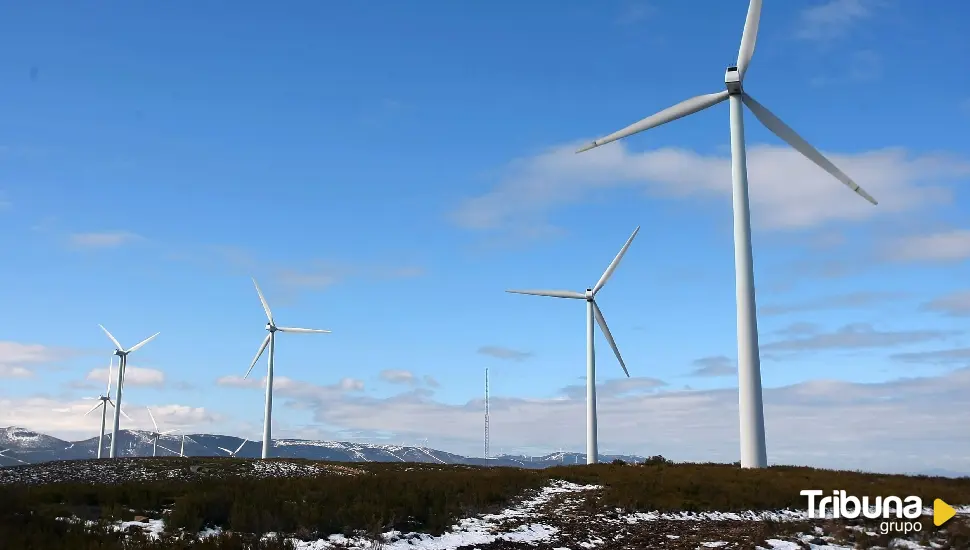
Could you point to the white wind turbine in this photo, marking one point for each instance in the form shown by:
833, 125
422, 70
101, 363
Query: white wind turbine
592, 312
103, 402
156, 434
234, 453
751, 409
121, 352
10, 457
270, 340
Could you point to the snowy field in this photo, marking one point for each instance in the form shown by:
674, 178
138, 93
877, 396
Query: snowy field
136, 469
558, 517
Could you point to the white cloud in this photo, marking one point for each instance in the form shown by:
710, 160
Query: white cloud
134, 376
945, 246
825, 423
615, 387
398, 376
860, 299
65, 419
10, 371
821, 422
636, 11
787, 190
833, 19
288, 386
103, 239
851, 336
17, 359
719, 365
508, 354
956, 304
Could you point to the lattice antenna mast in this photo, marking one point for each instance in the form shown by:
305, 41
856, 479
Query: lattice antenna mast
486, 413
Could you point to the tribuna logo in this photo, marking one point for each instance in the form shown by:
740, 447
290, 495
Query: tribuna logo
851, 507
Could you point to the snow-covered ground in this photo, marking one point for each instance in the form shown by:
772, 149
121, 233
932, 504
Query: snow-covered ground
121, 470
556, 517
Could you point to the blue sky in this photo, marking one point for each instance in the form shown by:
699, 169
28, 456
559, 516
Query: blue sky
386, 171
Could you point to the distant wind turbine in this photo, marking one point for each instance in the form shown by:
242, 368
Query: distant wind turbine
751, 409
270, 340
234, 453
121, 352
592, 311
103, 402
156, 434
10, 457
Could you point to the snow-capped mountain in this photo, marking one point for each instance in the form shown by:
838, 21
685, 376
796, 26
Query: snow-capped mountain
22, 446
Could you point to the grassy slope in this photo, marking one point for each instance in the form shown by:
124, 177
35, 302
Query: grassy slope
406, 497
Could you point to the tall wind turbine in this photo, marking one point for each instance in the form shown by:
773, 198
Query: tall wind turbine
270, 340
232, 454
122, 353
592, 312
753, 453
103, 402
156, 434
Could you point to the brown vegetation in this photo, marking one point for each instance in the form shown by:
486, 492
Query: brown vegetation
405, 497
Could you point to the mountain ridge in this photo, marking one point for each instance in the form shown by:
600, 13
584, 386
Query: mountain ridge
23, 446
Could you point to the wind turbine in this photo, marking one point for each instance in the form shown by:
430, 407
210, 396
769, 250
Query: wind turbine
592, 312
234, 453
156, 434
751, 409
270, 340
121, 352
2, 455
104, 401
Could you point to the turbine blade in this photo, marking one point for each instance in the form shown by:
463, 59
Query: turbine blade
153, 419
166, 432
113, 339
601, 321
616, 261
303, 330
551, 293
682, 109
262, 300
143, 342
94, 408
258, 354
785, 132
123, 413
111, 364
240, 446
749, 36
225, 449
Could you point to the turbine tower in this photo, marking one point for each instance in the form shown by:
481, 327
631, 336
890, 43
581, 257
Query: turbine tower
592, 312
486, 414
232, 454
156, 434
104, 401
122, 353
270, 340
751, 408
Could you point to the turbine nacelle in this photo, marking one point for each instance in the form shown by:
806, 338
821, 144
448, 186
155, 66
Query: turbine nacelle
732, 79
271, 328
589, 294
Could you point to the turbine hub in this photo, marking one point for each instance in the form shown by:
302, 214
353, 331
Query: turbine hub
732, 79
271, 328
589, 294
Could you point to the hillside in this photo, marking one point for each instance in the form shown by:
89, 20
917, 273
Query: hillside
291, 503
23, 446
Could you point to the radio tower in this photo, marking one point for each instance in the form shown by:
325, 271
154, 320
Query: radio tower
486, 414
